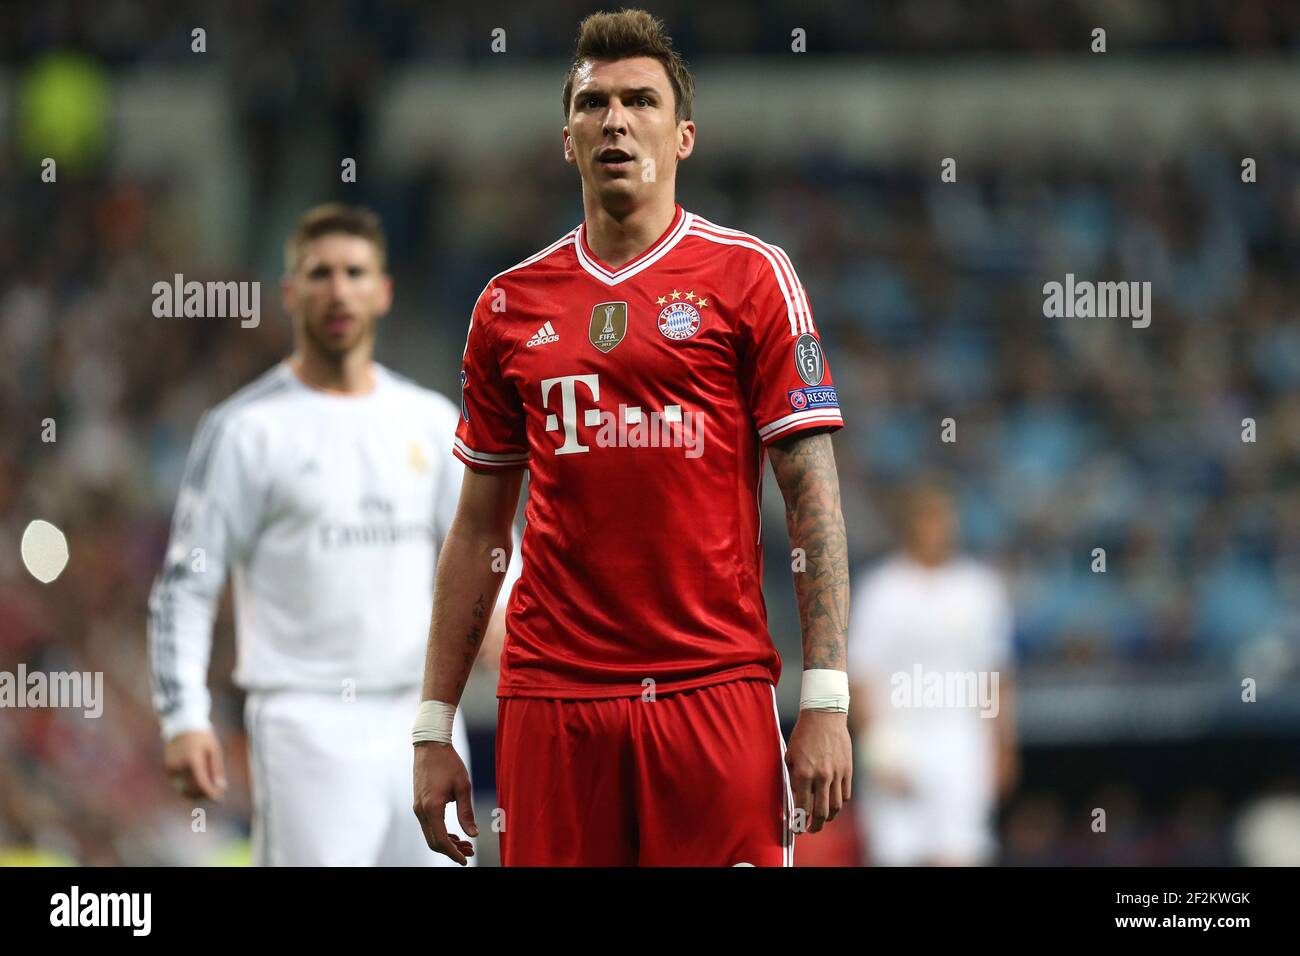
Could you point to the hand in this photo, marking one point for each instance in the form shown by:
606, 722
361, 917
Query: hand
193, 762
892, 781
440, 778
882, 755
820, 758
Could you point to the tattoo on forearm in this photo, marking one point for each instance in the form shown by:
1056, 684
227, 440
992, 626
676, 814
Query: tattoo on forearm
805, 469
472, 637
479, 613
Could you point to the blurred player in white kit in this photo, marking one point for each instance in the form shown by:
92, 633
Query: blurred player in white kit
935, 763
327, 486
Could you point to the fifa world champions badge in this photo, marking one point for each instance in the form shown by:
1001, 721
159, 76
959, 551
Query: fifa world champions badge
608, 325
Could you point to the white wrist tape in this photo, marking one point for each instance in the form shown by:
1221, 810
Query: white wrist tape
433, 722
825, 690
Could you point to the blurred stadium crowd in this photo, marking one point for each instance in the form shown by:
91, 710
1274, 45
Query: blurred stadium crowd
127, 32
1072, 434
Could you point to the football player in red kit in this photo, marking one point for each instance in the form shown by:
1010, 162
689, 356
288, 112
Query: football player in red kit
640, 368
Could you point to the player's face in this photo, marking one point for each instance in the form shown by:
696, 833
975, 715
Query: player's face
338, 292
932, 530
623, 133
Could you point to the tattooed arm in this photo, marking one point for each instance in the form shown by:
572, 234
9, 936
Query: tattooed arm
805, 469
466, 586
820, 753
464, 593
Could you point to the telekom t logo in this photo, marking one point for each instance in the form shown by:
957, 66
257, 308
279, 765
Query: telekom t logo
569, 409
629, 427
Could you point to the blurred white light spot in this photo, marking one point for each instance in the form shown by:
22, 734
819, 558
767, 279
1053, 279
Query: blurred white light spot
44, 550
1268, 831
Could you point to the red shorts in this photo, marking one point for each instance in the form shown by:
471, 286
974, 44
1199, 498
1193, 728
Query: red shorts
692, 778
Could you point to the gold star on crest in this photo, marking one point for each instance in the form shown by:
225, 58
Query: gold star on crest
702, 302
690, 296
660, 301
676, 294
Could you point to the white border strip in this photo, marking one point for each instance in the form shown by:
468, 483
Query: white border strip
787, 846
800, 418
490, 458
802, 309
794, 314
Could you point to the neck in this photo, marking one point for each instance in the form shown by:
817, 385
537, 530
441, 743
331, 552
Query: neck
928, 559
618, 238
351, 373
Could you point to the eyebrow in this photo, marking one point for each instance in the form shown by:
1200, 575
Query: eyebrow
637, 91
319, 266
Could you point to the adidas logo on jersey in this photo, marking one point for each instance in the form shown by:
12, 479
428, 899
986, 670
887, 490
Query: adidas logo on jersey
543, 336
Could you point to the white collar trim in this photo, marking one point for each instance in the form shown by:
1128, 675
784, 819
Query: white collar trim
597, 271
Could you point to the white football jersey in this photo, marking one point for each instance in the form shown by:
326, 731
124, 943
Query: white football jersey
330, 510
927, 643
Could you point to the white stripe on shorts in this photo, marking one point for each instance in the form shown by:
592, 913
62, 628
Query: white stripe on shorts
787, 839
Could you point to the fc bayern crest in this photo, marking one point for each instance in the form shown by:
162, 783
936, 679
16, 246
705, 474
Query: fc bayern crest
679, 320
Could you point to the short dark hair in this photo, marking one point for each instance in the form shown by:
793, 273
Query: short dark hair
628, 33
328, 219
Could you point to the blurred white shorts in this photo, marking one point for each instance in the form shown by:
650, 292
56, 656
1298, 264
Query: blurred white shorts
949, 825
332, 780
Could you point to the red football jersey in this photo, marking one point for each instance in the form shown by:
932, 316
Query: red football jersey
641, 400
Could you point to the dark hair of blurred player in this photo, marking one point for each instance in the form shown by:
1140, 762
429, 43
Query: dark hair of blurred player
336, 287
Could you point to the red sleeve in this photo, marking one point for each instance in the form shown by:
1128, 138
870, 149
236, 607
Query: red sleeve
490, 434
784, 374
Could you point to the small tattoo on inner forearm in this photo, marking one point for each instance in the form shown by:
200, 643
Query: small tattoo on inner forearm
472, 638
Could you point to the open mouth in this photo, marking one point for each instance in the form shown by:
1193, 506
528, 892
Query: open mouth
614, 158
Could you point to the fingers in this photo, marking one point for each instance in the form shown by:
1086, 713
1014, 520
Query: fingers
821, 803
838, 789
440, 778
183, 783
465, 848
194, 765
215, 772
200, 776
432, 816
444, 842
435, 831
821, 795
801, 785
188, 785
465, 806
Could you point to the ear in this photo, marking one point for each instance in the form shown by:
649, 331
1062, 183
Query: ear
685, 139
385, 294
569, 156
